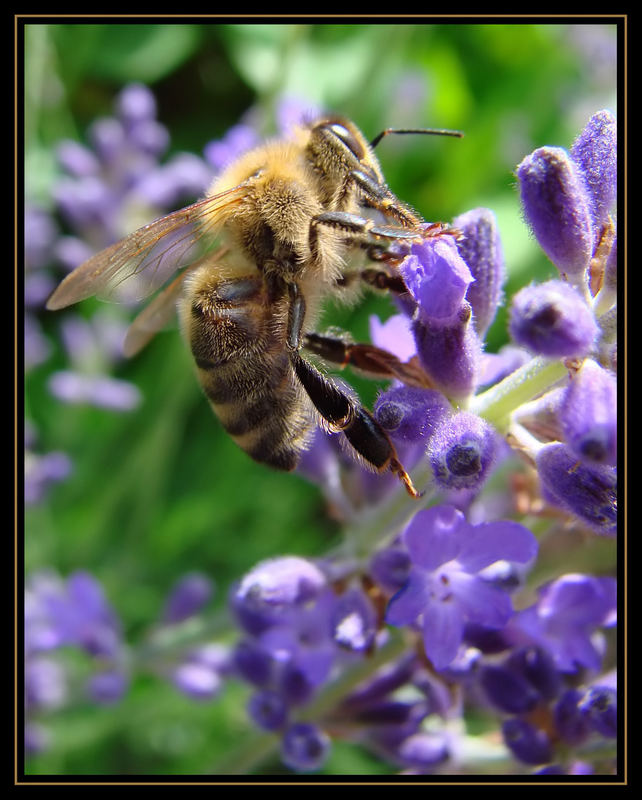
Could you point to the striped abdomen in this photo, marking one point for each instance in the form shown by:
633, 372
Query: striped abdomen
237, 337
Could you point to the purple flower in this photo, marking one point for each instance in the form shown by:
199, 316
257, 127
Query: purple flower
238, 140
268, 709
105, 186
101, 391
45, 683
589, 414
353, 622
588, 492
41, 471
437, 278
462, 451
303, 650
74, 613
40, 233
565, 617
390, 568
569, 721
444, 590
385, 680
526, 742
423, 750
76, 159
275, 589
599, 709
135, 103
196, 680
481, 249
291, 112
304, 747
90, 344
552, 319
189, 595
507, 690
107, 687
557, 208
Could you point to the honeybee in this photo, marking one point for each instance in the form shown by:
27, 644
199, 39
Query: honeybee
255, 260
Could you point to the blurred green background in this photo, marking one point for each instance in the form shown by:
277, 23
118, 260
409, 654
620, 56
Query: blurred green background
161, 490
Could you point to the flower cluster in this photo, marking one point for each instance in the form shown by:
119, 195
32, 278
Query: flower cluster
105, 187
552, 391
419, 618
75, 615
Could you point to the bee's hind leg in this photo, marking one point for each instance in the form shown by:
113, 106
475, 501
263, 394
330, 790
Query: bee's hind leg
346, 414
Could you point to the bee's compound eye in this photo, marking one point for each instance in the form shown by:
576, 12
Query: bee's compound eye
348, 139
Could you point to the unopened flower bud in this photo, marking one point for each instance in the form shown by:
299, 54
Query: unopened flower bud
595, 152
190, 594
462, 451
450, 353
526, 742
410, 413
599, 708
305, 747
557, 208
553, 320
481, 249
588, 492
589, 414
273, 589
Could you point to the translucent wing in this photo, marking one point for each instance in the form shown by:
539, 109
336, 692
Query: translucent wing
161, 309
143, 261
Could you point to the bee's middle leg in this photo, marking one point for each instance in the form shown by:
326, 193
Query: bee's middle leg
376, 361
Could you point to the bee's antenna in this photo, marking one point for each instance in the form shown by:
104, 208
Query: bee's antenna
433, 131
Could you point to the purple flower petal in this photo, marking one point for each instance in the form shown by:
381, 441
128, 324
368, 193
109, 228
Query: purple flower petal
394, 335
496, 541
437, 277
484, 603
443, 630
433, 536
410, 602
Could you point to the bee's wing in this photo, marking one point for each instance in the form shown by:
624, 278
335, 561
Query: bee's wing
143, 261
160, 310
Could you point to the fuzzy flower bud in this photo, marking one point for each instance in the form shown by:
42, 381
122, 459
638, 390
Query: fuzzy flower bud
481, 249
553, 320
589, 415
599, 708
526, 742
462, 451
557, 208
450, 353
304, 747
409, 413
595, 152
588, 492
188, 596
275, 589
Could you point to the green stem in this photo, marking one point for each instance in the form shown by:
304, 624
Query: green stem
376, 525
498, 403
